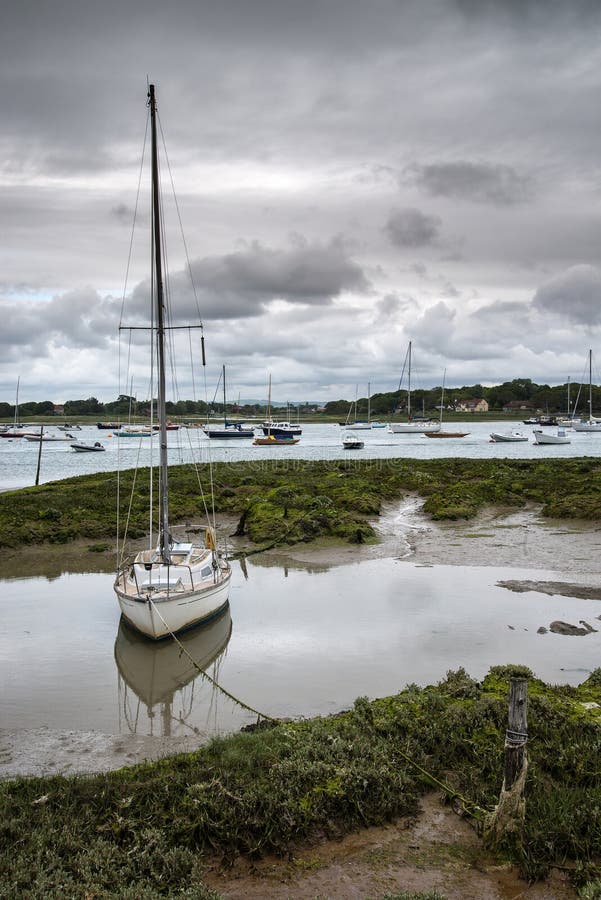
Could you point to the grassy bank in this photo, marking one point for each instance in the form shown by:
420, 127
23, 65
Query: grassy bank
149, 831
290, 501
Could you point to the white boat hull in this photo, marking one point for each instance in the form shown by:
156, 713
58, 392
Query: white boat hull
158, 617
88, 448
352, 444
543, 437
413, 427
281, 429
586, 426
159, 599
500, 437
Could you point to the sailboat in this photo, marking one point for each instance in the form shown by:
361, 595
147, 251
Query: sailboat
15, 430
358, 424
131, 430
282, 429
419, 426
229, 429
277, 438
591, 424
441, 433
175, 583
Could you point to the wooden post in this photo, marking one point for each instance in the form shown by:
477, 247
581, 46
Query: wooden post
516, 735
37, 474
504, 825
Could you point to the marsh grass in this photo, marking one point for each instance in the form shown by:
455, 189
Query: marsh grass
291, 501
149, 831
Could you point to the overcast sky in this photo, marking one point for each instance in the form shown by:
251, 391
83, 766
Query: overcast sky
351, 175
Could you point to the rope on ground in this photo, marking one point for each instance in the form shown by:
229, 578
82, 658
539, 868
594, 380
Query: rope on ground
472, 809
204, 674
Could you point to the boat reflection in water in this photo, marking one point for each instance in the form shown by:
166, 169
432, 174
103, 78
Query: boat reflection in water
157, 680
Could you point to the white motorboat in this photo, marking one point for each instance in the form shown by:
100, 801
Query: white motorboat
352, 441
499, 437
96, 447
419, 426
281, 429
51, 438
176, 583
546, 437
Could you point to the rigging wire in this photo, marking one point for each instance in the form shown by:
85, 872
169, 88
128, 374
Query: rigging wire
180, 220
208, 505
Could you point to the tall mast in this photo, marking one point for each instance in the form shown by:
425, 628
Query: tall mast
224, 401
590, 384
16, 421
164, 536
409, 385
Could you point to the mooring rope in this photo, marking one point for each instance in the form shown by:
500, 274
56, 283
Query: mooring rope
469, 806
215, 683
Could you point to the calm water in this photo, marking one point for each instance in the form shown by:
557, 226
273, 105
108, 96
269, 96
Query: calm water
296, 643
18, 458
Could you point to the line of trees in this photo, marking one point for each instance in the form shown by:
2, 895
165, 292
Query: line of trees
539, 397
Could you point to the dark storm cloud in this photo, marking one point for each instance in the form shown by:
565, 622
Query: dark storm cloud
307, 272
283, 117
574, 295
240, 284
412, 228
77, 319
478, 182
499, 314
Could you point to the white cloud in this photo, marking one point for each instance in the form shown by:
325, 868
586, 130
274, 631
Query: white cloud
439, 161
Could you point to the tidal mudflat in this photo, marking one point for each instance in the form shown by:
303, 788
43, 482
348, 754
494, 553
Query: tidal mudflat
312, 627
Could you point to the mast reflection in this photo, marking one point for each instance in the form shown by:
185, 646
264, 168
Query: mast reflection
157, 680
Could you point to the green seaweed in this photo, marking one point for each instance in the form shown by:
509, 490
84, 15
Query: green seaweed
158, 825
292, 501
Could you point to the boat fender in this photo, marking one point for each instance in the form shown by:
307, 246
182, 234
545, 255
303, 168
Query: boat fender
210, 539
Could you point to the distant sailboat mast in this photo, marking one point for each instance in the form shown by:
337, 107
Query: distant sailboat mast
16, 420
409, 384
590, 385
